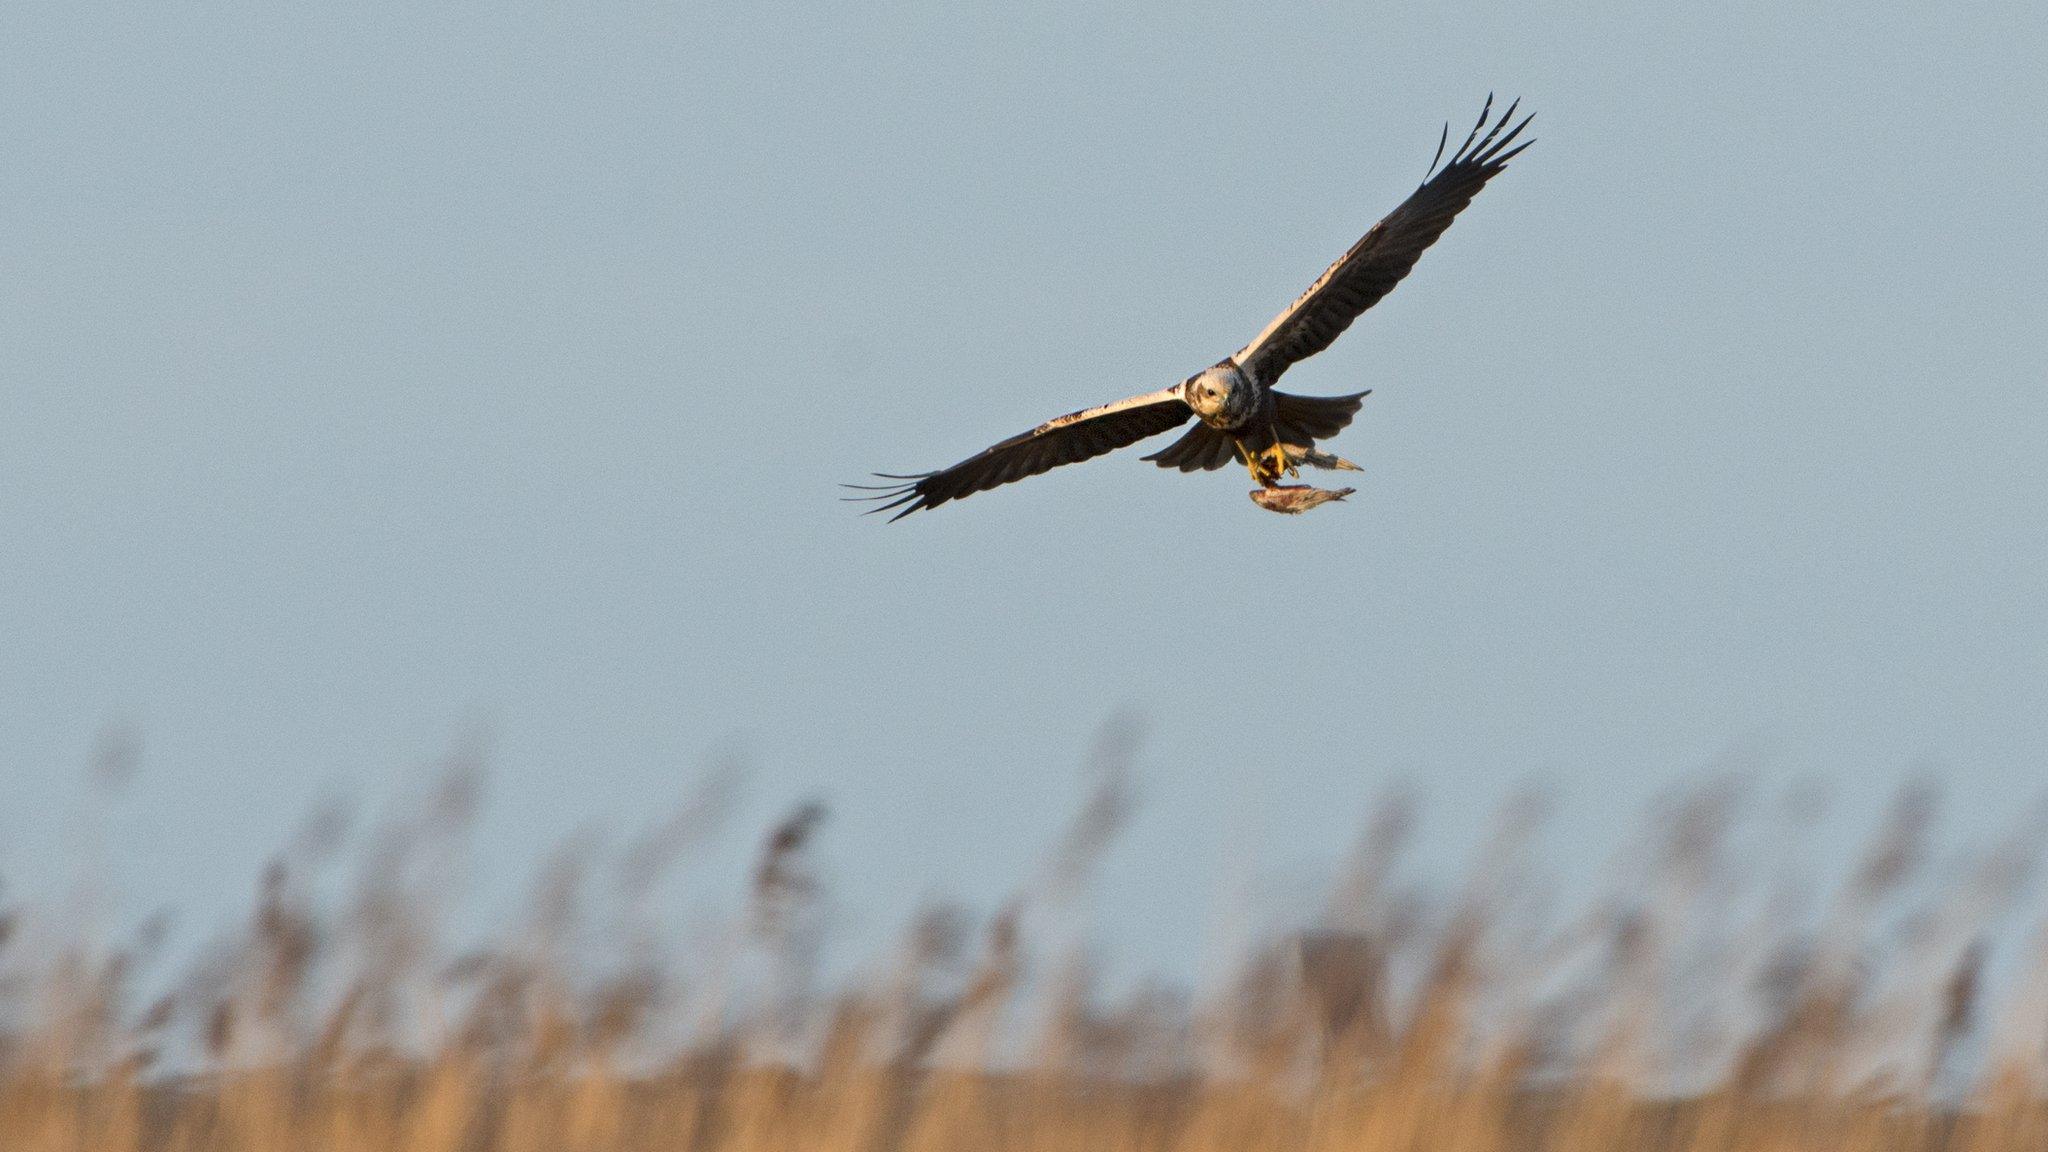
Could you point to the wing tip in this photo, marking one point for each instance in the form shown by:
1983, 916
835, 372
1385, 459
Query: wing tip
1490, 152
886, 497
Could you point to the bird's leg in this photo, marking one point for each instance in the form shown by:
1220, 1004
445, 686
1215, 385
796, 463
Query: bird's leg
1264, 471
1277, 462
1282, 463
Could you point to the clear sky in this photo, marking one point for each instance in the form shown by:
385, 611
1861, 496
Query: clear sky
375, 375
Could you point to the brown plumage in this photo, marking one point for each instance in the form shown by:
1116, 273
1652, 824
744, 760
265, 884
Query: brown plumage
1242, 416
1298, 422
1065, 439
1385, 254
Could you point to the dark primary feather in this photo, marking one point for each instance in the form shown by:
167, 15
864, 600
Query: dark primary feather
1068, 439
1385, 254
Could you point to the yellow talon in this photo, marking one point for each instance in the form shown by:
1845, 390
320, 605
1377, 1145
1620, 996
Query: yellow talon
1282, 463
1268, 465
1260, 465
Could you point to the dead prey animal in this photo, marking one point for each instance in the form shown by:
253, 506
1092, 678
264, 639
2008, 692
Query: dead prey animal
1294, 499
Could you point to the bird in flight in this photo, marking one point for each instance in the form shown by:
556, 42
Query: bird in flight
1240, 415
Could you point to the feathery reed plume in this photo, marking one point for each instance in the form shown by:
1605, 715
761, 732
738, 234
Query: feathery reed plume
1700, 1001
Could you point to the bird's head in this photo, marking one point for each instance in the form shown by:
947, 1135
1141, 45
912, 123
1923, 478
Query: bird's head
1209, 393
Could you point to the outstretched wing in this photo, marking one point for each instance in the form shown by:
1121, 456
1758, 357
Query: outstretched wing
1066, 439
1385, 254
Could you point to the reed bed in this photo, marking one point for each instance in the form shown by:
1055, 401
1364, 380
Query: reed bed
1718, 992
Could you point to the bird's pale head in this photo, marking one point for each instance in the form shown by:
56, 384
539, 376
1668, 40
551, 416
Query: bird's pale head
1218, 395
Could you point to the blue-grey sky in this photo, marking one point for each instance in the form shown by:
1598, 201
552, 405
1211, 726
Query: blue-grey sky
373, 375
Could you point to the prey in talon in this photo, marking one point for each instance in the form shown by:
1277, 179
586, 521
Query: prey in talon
1294, 499
1238, 414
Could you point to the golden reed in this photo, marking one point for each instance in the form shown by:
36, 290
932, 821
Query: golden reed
1716, 996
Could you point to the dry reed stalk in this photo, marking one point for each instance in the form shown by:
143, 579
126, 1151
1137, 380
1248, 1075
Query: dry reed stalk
1398, 1020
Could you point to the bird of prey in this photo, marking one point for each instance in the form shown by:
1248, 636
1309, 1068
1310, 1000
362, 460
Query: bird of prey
1240, 416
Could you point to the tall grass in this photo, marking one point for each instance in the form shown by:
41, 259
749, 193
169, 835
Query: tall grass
1716, 995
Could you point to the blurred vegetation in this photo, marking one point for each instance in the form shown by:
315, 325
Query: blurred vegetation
1711, 996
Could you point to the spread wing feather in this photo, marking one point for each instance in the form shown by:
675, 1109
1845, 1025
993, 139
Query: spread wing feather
1385, 254
1303, 420
1202, 449
1066, 439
